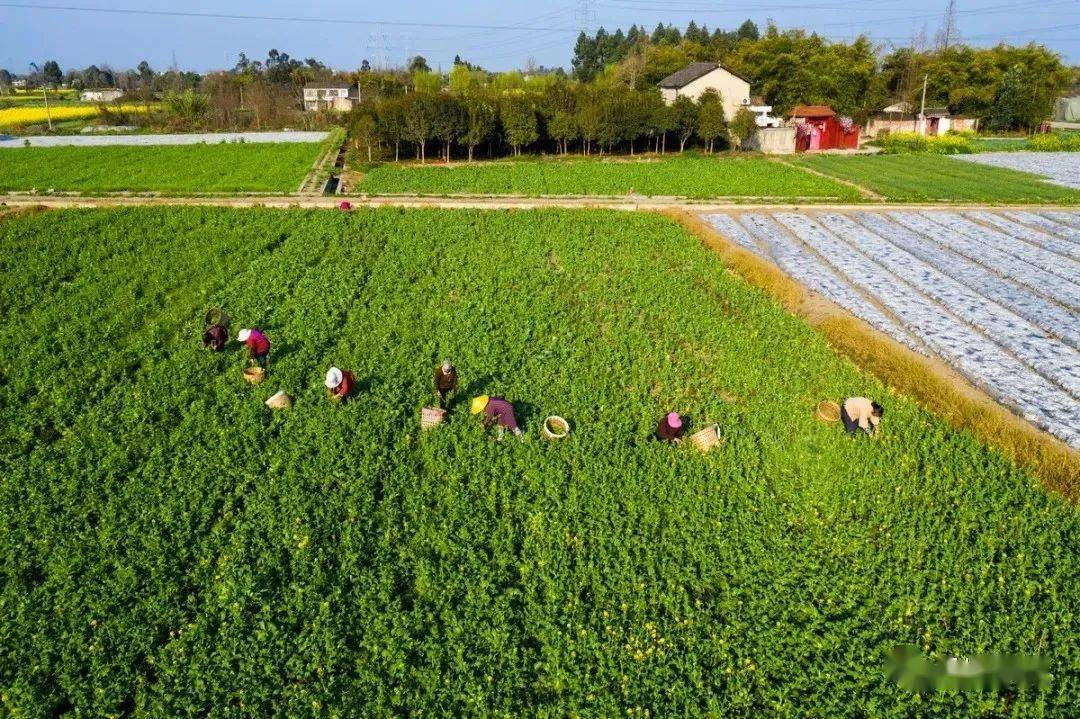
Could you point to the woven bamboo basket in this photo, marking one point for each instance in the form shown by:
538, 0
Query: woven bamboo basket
216, 316
827, 411
279, 400
555, 427
431, 417
707, 438
254, 375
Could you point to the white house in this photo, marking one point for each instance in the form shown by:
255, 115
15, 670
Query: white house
107, 94
697, 77
331, 95
761, 112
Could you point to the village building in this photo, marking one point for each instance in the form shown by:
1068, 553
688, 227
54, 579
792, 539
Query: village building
697, 77
1067, 111
762, 113
818, 127
331, 95
107, 94
904, 117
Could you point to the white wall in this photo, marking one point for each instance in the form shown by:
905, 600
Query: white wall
733, 91
774, 140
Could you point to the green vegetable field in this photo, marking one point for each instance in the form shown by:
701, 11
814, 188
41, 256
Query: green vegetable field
924, 177
171, 547
692, 176
169, 169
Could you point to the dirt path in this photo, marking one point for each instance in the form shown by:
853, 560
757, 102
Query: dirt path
627, 204
865, 192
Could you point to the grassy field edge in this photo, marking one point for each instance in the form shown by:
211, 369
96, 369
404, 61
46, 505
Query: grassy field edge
931, 382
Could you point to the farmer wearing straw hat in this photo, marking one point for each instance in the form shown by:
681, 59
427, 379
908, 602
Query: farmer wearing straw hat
860, 413
670, 428
257, 344
497, 409
215, 337
445, 382
339, 383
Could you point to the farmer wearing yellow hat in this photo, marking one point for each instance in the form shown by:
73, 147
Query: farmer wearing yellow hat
497, 409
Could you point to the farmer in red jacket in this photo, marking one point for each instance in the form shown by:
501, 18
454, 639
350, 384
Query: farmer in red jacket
339, 383
257, 344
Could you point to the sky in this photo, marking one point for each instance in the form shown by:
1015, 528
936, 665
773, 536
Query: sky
497, 35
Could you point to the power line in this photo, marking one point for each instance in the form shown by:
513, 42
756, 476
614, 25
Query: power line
277, 18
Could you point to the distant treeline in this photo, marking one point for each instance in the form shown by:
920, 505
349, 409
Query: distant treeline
1007, 87
795, 67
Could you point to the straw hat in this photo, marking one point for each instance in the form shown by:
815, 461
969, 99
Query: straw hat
333, 377
243, 335
479, 404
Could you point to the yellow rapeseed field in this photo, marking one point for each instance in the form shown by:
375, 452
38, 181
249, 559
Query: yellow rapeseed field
15, 116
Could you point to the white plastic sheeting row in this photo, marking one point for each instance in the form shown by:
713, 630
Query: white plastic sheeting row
994, 257
1048, 223
804, 266
1027, 234
936, 276
1061, 168
1052, 262
1033, 307
1043, 353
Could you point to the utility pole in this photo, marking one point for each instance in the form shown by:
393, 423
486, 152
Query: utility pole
585, 16
48, 113
922, 107
948, 28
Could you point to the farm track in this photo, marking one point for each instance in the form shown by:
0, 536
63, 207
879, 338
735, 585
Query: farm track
628, 204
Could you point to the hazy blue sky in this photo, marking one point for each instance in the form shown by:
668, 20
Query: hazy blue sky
484, 31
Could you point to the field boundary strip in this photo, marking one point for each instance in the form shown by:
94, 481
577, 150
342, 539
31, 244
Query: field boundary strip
930, 381
864, 191
278, 200
316, 177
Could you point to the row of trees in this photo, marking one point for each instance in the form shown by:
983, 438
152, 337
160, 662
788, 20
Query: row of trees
590, 117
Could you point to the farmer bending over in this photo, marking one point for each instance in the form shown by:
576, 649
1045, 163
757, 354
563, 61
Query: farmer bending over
860, 413
215, 337
339, 383
497, 409
445, 382
257, 344
670, 428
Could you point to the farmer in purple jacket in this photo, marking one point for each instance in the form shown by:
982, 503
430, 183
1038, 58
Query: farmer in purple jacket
497, 409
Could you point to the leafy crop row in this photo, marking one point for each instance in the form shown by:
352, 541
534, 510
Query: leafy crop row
171, 547
172, 169
922, 177
696, 177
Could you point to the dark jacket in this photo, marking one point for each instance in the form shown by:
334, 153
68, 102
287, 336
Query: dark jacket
666, 432
445, 382
215, 337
